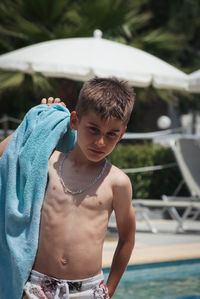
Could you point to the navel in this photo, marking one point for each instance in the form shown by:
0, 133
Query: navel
64, 261
54, 187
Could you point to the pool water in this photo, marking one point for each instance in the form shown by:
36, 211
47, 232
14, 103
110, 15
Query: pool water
169, 280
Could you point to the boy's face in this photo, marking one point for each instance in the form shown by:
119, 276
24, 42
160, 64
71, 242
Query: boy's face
96, 138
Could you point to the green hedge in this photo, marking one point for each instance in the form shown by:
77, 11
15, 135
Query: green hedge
151, 184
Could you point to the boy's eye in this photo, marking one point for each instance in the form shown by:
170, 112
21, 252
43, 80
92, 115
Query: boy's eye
112, 134
93, 129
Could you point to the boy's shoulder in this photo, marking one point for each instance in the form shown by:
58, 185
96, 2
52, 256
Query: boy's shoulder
121, 185
118, 177
54, 159
55, 155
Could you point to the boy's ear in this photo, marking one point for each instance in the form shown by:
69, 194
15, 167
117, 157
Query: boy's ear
124, 130
74, 120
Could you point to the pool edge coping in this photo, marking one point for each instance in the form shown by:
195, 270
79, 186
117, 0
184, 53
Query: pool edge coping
157, 264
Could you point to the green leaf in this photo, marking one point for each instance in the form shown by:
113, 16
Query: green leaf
10, 79
41, 83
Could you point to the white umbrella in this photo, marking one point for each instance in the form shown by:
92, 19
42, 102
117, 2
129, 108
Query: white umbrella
194, 82
83, 58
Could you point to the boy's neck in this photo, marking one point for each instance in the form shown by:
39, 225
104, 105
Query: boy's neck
78, 159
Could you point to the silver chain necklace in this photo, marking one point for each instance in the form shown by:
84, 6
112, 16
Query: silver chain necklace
74, 192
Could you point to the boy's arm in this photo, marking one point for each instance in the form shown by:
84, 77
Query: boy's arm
125, 218
4, 143
48, 101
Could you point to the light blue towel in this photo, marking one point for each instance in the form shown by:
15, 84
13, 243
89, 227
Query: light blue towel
23, 178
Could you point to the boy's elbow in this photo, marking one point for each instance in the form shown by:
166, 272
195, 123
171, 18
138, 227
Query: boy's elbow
128, 238
4, 143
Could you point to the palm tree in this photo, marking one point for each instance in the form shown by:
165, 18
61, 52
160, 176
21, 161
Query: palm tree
170, 35
146, 24
28, 22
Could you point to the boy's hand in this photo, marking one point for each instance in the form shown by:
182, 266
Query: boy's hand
51, 100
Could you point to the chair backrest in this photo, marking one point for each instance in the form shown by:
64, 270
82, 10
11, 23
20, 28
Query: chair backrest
187, 154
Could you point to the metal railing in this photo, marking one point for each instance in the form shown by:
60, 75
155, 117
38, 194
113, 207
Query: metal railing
5, 131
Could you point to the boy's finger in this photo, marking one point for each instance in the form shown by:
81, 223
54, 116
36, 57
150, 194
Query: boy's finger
63, 104
44, 101
57, 100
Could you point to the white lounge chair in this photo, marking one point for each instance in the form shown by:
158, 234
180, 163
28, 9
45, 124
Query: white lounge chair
171, 206
187, 154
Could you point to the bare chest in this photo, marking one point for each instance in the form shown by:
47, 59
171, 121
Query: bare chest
96, 199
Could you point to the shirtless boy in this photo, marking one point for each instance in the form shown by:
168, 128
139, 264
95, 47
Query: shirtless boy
83, 190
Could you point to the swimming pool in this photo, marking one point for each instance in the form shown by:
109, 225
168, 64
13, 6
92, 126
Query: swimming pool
168, 280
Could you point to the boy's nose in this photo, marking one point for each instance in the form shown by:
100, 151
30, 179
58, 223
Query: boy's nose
100, 141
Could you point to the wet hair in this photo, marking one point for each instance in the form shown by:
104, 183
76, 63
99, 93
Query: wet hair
107, 97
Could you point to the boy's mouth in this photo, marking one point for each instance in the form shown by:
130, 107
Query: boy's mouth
96, 151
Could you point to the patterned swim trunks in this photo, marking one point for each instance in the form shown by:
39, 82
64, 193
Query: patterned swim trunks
41, 286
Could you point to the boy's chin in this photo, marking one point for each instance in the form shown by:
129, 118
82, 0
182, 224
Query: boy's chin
95, 157
96, 160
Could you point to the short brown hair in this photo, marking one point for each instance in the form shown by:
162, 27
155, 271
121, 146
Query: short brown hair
108, 97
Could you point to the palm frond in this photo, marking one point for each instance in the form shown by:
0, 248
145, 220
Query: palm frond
10, 79
159, 42
11, 33
41, 84
136, 20
163, 39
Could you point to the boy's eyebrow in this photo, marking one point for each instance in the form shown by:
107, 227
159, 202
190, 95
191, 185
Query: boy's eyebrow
91, 123
94, 124
115, 130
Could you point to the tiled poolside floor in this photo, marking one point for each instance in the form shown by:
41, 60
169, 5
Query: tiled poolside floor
166, 245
